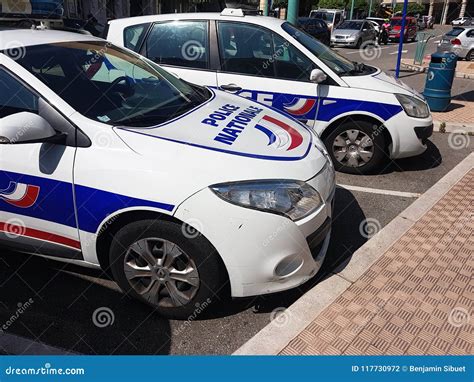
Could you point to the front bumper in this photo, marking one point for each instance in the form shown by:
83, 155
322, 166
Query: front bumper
409, 135
263, 252
343, 42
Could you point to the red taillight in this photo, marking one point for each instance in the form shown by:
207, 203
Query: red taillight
456, 41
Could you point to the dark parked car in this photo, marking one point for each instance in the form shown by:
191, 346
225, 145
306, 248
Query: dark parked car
316, 28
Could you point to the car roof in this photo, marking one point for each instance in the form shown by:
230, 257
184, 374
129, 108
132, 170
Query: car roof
18, 38
270, 22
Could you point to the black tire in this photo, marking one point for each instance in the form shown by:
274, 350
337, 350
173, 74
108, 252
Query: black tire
470, 55
212, 275
359, 43
378, 147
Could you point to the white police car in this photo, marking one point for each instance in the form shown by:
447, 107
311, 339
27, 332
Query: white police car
362, 114
181, 191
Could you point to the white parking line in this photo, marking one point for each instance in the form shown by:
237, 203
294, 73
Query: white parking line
380, 191
396, 52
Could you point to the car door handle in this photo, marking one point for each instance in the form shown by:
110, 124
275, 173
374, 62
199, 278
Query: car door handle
231, 88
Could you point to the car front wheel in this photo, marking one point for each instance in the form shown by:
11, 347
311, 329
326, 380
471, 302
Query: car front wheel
357, 147
163, 265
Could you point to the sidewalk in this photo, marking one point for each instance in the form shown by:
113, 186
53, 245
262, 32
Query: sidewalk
464, 69
411, 294
458, 118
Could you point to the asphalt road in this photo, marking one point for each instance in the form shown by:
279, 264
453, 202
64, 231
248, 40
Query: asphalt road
65, 297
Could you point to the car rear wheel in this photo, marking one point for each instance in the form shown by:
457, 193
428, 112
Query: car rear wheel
359, 43
357, 147
158, 263
470, 55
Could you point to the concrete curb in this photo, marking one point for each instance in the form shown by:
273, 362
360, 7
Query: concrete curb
422, 69
452, 127
275, 336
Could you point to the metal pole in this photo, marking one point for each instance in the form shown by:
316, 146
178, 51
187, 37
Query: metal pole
402, 36
292, 14
352, 9
370, 8
264, 7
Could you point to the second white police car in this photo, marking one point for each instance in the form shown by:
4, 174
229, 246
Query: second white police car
183, 192
363, 115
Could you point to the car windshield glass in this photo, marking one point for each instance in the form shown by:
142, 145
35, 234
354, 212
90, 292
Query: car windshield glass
337, 63
397, 22
455, 32
355, 25
326, 16
109, 84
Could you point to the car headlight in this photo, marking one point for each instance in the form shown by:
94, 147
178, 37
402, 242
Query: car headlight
290, 198
413, 106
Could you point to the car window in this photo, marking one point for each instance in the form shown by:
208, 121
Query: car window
133, 36
470, 33
108, 84
353, 25
246, 49
290, 63
15, 97
337, 18
179, 43
455, 32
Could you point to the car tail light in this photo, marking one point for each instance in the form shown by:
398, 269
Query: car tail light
456, 41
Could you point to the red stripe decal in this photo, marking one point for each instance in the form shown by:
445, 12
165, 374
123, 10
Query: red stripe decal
296, 138
306, 107
17, 230
28, 200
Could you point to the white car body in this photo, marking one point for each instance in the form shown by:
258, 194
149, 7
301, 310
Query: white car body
76, 193
321, 106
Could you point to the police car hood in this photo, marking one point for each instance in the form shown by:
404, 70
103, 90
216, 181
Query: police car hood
380, 81
229, 138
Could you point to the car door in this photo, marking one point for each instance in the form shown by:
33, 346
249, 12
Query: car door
37, 213
261, 65
182, 47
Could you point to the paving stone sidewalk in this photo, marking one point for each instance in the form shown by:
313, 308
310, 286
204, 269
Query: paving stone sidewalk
460, 113
416, 299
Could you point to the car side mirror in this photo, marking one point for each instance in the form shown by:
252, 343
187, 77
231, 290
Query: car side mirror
317, 76
26, 127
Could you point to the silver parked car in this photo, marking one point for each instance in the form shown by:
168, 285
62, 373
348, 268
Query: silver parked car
353, 33
460, 40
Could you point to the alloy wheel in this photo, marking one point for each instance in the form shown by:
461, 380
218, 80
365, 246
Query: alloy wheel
353, 148
161, 272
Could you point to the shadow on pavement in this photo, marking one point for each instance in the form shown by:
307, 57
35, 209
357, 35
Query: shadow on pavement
64, 302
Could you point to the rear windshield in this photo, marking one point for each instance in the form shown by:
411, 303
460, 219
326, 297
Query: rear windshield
326, 16
455, 32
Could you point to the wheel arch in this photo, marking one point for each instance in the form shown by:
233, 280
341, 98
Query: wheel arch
358, 117
111, 226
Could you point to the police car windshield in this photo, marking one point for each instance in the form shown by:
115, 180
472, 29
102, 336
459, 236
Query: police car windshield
111, 85
337, 63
